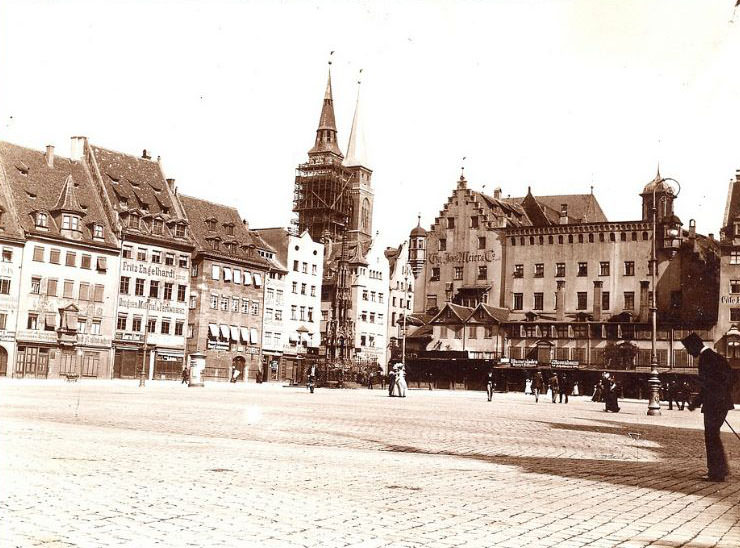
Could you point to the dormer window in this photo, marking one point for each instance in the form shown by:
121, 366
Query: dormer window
70, 222
180, 231
214, 244
737, 228
123, 202
98, 231
157, 226
211, 223
42, 220
229, 229
134, 220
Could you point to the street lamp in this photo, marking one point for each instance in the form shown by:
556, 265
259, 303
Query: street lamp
673, 232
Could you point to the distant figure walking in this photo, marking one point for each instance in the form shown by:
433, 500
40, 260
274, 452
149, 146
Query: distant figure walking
401, 385
538, 385
370, 380
312, 373
234, 374
490, 385
185, 375
611, 394
391, 380
259, 376
564, 388
528, 387
554, 387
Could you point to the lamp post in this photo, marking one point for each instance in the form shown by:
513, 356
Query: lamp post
654, 380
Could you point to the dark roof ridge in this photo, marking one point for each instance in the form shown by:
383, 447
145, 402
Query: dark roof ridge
114, 151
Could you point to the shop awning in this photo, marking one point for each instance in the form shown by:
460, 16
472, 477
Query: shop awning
225, 331
253, 335
234, 333
227, 274
247, 278
292, 338
257, 280
245, 334
237, 276
213, 330
51, 320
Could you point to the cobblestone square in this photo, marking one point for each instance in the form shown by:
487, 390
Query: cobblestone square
108, 463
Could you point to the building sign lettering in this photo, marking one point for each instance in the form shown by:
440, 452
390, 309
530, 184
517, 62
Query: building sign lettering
462, 257
523, 363
153, 305
731, 299
565, 364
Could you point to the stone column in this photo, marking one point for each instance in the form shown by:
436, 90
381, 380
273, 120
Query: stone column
560, 301
597, 300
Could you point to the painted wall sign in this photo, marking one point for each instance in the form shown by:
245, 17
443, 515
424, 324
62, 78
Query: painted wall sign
462, 257
166, 307
729, 299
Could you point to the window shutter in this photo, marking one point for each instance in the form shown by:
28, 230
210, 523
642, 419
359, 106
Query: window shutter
99, 293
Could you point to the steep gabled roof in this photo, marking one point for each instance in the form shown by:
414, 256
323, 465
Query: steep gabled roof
35, 186
485, 313
452, 314
583, 208
199, 211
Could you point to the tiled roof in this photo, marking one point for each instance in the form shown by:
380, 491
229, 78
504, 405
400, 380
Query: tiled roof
201, 211
581, 207
732, 206
37, 187
138, 184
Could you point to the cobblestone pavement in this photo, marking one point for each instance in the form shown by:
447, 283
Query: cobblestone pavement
107, 463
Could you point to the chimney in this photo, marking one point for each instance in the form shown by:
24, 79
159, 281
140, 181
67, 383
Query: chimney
171, 183
597, 300
50, 155
145, 155
560, 301
737, 175
245, 223
563, 214
692, 229
711, 235
497, 193
644, 301
77, 148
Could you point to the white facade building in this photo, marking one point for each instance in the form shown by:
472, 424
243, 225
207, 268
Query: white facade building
401, 293
370, 306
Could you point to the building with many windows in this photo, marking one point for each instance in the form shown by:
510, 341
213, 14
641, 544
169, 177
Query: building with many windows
300, 305
67, 281
576, 287
400, 296
153, 279
227, 291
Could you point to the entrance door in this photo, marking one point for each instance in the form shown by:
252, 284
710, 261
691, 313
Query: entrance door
127, 364
68, 363
90, 362
32, 361
3, 362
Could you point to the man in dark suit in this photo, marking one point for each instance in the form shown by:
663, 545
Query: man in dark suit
715, 398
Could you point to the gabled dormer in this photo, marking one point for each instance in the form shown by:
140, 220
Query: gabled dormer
68, 212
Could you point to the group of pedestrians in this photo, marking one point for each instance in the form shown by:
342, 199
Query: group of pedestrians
607, 391
678, 392
561, 386
397, 381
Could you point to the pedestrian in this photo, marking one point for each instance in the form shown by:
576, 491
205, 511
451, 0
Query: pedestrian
670, 393
527, 386
554, 387
381, 376
391, 379
430, 380
715, 399
490, 385
564, 388
370, 380
259, 376
684, 394
185, 375
235, 374
312, 373
538, 384
611, 393
401, 385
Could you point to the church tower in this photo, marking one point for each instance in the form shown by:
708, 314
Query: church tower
360, 190
320, 199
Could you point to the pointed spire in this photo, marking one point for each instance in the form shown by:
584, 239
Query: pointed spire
356, 150
326, 134
68, 198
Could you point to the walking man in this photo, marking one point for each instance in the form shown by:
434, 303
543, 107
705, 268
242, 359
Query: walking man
391, 380
489, 385
564, 388
715, 399
538, 384
554, 387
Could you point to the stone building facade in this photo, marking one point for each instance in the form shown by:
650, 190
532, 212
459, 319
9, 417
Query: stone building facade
227, 295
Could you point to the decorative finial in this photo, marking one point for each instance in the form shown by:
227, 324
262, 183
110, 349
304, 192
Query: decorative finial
418, 220
359, 78
592, 190
462, 169
657, 175
330, 54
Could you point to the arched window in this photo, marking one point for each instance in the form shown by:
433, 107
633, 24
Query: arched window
365, 219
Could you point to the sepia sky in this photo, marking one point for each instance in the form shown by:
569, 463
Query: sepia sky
558, 95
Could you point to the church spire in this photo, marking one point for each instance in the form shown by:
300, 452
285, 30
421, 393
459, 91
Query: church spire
356, 151
326, 134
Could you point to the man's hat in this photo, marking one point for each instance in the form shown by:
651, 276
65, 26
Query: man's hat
692, 343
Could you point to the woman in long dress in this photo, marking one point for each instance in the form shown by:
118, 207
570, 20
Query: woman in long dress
401, 385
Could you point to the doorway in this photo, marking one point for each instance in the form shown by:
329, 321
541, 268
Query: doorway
239, 364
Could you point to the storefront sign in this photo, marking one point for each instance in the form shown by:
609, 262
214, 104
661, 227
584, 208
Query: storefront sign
462, 257
565, 364
35, 335
128, 336
152, 271
155, 305
217, 345
523, 363
729, 299
86, 339
7, 336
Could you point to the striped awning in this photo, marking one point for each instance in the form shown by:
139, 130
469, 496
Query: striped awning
213, 330
234, 333
225, 332
245, 334
253, 335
